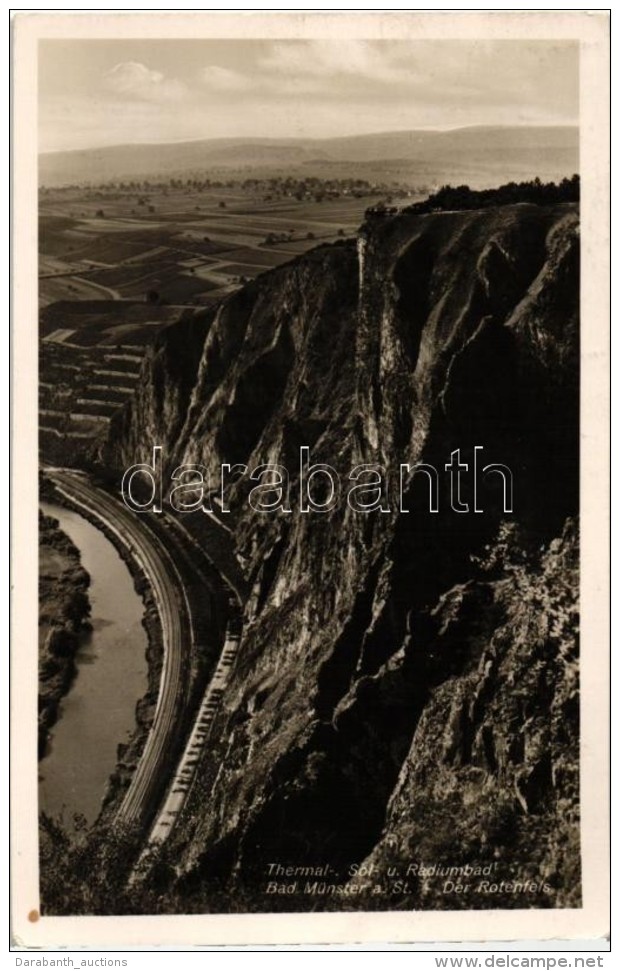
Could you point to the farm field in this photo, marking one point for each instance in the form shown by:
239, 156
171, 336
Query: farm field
103, 323
119, 262
133, 242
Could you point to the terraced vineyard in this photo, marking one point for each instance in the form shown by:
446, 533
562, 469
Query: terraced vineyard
79, 391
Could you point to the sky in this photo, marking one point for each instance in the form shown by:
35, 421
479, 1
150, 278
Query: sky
108, 92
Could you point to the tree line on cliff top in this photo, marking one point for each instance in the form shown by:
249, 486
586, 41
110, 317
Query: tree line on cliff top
534, 191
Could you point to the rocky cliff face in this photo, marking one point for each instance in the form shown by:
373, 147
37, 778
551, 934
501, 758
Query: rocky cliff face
407, 687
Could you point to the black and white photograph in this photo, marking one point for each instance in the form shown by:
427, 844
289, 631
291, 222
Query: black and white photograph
310, 472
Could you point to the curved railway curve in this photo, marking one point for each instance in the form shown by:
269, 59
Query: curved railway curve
145, 788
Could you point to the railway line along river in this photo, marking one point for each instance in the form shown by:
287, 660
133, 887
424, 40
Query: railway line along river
98, 712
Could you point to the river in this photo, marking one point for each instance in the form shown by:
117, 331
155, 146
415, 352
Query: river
98, 712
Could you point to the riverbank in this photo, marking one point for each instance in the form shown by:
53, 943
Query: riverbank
128, 753
64, 609
207, 601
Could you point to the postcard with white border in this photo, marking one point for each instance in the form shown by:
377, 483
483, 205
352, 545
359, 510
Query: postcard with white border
311, 331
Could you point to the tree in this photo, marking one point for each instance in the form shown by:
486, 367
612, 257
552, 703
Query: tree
533, 192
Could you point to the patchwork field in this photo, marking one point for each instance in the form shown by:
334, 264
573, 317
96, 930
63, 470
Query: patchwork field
180, 243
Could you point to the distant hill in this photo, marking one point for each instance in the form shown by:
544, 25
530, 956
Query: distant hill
481, 155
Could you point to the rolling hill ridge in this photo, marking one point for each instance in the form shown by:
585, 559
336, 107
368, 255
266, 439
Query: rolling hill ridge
481, 155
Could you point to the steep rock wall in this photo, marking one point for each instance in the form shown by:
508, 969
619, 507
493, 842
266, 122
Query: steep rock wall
439, 332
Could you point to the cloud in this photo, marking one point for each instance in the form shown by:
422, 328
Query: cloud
321, 58
294, 68
133, 80
434, 72
223, 79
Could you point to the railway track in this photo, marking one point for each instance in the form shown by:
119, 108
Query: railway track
145, 788
184, 776
163, 779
